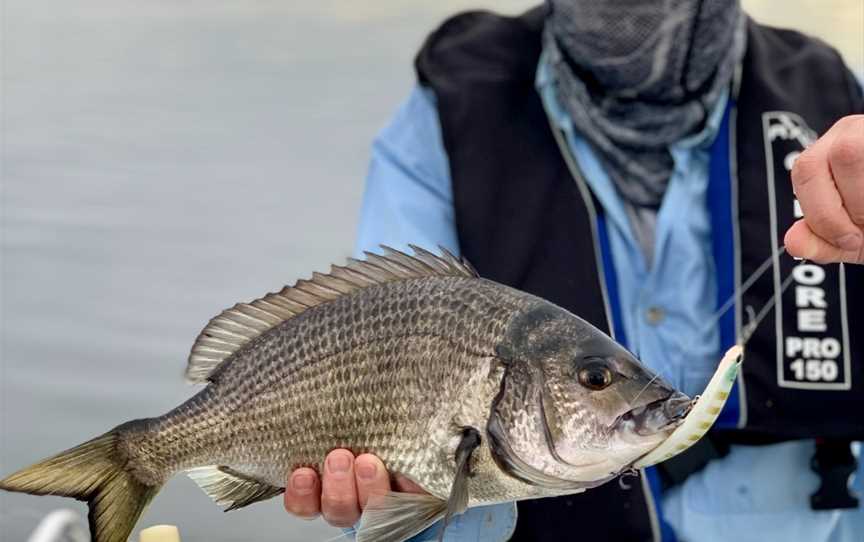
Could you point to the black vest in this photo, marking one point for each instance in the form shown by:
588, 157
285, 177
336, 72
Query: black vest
523, 220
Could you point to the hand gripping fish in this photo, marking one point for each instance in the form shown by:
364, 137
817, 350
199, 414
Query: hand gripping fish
477, 392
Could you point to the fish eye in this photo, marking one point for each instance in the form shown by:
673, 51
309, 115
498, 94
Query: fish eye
594, 375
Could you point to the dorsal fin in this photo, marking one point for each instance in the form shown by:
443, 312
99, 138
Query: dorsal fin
235, 327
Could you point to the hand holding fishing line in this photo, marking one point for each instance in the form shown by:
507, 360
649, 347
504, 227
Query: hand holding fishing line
828, 179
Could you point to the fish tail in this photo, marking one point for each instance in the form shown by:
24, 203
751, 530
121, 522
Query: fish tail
96, 472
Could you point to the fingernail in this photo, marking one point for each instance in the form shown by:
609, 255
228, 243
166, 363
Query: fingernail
367, 471
338, 463
303, 484
850, 241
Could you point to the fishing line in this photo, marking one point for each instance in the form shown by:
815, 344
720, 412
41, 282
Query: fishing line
739, 292
643, 389
754, 319
575, 172
748, 329
751, 326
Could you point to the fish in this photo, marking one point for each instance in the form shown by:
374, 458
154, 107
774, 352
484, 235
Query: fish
477, 392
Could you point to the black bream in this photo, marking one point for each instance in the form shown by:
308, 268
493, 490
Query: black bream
477, 392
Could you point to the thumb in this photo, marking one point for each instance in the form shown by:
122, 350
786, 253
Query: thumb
801, 242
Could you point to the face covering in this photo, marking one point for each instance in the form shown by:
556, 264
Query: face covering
636, 76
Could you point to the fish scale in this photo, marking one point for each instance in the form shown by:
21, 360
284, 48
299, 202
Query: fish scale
320, 393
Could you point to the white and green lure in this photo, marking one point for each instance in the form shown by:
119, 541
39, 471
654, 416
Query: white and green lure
706, 407
704, 413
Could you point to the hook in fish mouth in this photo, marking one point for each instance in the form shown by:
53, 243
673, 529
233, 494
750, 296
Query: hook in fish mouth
658, 415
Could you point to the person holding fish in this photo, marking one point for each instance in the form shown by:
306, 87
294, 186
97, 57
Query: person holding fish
635, 163
621, 176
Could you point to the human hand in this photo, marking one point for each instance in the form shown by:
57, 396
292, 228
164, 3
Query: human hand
828, 179
343, 491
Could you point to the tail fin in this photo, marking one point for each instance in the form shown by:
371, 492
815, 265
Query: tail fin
91, 472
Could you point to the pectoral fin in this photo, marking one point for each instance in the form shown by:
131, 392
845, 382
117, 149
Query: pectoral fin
395, 517
458, 501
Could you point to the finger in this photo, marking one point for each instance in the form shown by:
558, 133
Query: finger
820, 201
339, 490
846, 160
303, 493
372, 478
801, 242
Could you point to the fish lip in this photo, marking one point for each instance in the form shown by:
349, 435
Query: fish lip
639, 414
681, 404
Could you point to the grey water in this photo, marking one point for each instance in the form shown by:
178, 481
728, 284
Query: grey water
161, 161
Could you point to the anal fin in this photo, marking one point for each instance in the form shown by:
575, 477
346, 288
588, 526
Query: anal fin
395, 517
228, 487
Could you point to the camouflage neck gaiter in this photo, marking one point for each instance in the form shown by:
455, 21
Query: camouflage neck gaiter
637, 76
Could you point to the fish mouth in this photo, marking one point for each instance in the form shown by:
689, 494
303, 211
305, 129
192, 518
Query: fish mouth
658, 415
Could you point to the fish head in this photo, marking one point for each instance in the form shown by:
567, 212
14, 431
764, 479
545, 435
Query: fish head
575, 408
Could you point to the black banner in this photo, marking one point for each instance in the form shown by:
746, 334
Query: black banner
812, 331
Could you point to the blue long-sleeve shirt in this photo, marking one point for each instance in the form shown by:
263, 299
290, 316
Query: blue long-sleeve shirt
754, 493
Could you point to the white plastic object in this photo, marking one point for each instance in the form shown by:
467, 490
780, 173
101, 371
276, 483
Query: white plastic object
160, 533
703, 414
60, 526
